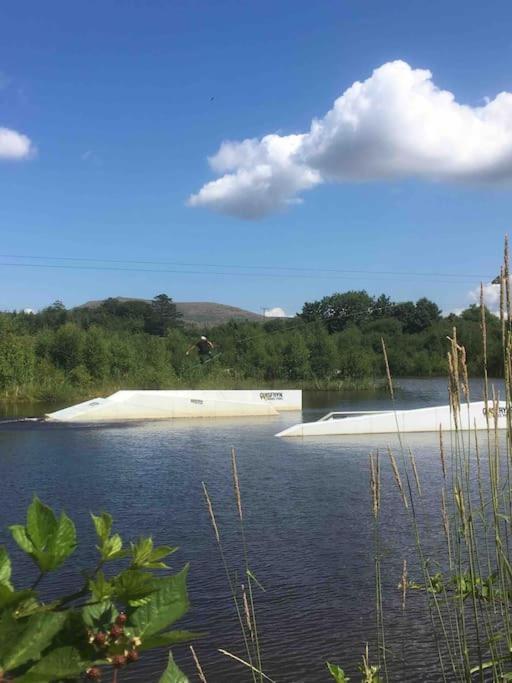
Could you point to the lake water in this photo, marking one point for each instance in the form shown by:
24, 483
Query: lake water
308, 517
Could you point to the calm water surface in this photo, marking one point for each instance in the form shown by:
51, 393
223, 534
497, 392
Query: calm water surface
308, 522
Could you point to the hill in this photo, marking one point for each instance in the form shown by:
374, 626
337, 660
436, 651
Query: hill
196, 312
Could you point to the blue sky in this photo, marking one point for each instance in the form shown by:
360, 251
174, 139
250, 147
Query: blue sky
116, 100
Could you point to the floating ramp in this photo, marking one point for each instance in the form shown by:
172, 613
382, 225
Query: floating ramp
475, 416
151, 405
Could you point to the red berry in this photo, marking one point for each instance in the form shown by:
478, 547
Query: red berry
100, 639
121, 619
93, 674
118, 661
132, 656
116, 631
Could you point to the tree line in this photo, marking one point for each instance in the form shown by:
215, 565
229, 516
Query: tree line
59, 353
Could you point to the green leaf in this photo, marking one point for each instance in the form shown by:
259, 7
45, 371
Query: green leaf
11, 598
166, 605
41, 523
132, 585
5, 569
168, 639
172, 673
63, 662
63, 541
112, 548
34, 634
10, 631
141, 551
145, 556
29, 605
162, 551
100, 588
157, 555
103, 525
337, 673
20, 536
48, 541
99, 615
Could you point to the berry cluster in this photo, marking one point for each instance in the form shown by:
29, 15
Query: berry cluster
124, 647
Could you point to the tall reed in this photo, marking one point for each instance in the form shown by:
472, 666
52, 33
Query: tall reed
242, 594
469, 599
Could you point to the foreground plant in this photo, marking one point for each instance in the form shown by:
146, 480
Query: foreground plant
106, 624
369, 672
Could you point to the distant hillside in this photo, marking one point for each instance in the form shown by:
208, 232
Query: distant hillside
196, 312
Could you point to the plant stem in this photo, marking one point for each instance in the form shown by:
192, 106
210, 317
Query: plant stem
37, 581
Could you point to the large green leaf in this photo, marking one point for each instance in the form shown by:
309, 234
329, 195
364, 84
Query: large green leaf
10, 630
166, 605
5, 569
63, 662
169, 638
34, 634
172, 673
48, 541
63, 541
132, 586
41, 523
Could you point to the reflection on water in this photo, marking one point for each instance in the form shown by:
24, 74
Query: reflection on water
308, 523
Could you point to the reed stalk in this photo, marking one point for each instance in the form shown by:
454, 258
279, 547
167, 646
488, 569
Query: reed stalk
231, 583
249, 607
199, 669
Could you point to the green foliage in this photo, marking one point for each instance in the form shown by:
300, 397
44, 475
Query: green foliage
105, 623
77, 354
163, 316
337, 673
172, 674
48, 541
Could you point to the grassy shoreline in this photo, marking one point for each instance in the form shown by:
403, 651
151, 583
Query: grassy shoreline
67, 393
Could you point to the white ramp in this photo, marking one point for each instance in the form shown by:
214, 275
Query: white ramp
474, 416
144, 405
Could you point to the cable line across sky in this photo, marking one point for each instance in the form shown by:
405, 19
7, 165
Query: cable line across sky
270, 271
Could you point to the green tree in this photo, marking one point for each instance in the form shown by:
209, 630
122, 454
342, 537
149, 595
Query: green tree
68, 346
296, 358
322, 352
96, 353
340, 309
164, 315
54, 315
17, 362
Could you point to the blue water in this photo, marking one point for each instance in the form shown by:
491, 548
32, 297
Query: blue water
308, 517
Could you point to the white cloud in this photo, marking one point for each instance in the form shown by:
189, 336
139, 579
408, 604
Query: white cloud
15, 146
491, 294
266, 176
276, 312
396, 124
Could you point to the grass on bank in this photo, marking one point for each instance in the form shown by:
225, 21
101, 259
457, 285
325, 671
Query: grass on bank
63, 391
464, 588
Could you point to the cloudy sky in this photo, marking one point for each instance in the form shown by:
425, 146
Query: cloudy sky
257, 154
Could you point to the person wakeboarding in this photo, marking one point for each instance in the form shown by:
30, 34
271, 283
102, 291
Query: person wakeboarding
204, 348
